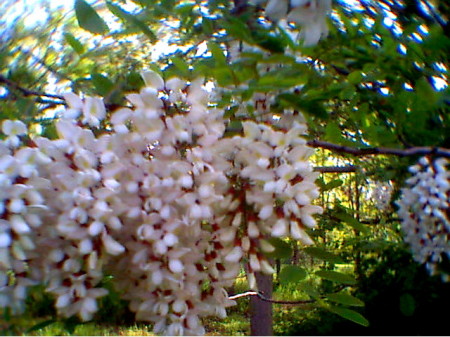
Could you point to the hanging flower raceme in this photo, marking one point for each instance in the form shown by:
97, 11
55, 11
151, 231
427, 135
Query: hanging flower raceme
160, 199
424, 210
273, 185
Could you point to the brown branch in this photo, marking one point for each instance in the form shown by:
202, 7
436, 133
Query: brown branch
28, 92
413, 151
378, 221
266, 299
336, 169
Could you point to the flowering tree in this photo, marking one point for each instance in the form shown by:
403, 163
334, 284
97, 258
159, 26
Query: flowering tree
172, 182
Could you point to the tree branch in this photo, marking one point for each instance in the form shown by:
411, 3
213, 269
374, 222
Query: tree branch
263, 298
413, 151
378, 221
28, 92
336, 169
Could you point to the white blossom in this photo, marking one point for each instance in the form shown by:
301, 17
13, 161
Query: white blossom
153, 80
423, 208
310, 15
162, 200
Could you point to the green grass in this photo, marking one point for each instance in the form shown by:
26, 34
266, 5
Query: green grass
235, 324
25, 326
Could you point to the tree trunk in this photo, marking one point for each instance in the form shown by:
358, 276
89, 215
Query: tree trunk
261, 311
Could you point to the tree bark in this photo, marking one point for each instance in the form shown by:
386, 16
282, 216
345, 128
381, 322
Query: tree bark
261, 311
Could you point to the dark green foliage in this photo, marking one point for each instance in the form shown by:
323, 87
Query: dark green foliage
112, 309
400, 299
39, 303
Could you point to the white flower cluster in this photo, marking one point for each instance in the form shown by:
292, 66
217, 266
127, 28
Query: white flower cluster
309, 14
158, 198
381, 195
424, 210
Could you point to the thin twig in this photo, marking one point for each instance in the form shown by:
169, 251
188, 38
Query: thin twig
246, 294
413, 151
378, 221
28, 92
266, 299
336, 169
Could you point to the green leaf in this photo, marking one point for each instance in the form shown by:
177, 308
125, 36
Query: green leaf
25, 106
351, 221
335, 276
217, 53
41, 325
134, 81
287, 39
267, 41
322, 254
50, 131
291, 274
333, 132
74, 43
331, 185
88, 18
7, 314
234, 128
70, 324
223, 75
102, 84
348, 92
181, 65
281, 79
283, 250
309, 289
237, 28
355, 77
207, 26
131, 20
407, 304
310, 106
346, 299
349, 314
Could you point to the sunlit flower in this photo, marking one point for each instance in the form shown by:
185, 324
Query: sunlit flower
13, 129
75, 106
153, 80
161, 199
94, 111
311, 16
423, 208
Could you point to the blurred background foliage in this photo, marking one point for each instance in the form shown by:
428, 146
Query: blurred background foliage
380, 79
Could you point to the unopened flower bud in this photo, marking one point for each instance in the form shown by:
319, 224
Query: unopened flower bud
112, 246
176, 266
